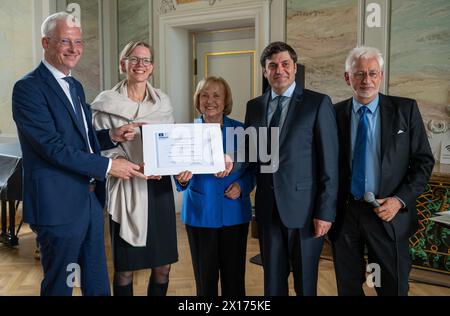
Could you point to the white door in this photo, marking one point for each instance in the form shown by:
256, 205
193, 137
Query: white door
231, 55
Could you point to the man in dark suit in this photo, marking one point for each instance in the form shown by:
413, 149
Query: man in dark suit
296, 194
62, 169
384, 150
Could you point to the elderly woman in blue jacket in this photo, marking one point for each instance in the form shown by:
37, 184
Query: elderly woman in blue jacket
217, 209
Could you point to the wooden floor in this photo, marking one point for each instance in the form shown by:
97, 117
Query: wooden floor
20, 273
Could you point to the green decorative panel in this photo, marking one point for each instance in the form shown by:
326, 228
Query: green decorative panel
430, 245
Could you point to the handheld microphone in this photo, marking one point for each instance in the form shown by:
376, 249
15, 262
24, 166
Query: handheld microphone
369, 197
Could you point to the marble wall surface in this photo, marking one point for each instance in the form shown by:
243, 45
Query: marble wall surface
420, 61
16, 58
88, 69
133, 22
323, 32
420, 52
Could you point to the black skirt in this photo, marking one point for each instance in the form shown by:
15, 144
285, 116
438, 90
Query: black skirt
161, 247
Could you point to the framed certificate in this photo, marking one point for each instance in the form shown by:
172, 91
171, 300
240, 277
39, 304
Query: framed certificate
172, 148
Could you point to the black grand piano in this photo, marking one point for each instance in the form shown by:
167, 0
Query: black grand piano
10, 191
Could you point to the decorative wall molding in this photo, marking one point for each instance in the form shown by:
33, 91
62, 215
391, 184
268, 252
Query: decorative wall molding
171, 6
438, 126
167, 6
438, 131
172, 43
258, 11
212, 2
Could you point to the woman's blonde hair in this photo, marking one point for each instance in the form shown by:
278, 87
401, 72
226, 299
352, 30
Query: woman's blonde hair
129, 48
218, 80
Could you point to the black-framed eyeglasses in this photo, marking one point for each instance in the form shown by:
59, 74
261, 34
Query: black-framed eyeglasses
65, 42
134, 60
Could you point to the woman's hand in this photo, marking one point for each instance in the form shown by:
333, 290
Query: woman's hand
233, 191
141, 165
228, 167
184, 177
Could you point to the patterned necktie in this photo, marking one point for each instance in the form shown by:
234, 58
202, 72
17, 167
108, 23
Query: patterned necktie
75, 99
275, 121
77, 106
358, 186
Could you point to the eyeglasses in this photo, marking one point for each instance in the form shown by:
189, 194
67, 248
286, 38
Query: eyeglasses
65, 42
133, 60
360, 75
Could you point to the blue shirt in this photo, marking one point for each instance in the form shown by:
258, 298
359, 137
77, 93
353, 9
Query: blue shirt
373, 149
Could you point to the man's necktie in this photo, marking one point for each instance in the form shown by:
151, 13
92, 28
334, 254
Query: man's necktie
76, 103
75, 99
358, 186
275, 121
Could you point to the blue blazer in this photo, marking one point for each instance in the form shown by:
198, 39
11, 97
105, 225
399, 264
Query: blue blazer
204, 200
57, 165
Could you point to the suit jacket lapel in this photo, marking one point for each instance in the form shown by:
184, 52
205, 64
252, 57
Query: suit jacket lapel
345, 130
54, 85
261, 119
387, 120
95, 145
87, 112
295, 106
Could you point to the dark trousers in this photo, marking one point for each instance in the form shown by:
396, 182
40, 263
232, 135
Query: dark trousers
363, 229
217, 251
74, 248
283, 248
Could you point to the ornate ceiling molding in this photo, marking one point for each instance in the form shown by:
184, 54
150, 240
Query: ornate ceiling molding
166, 6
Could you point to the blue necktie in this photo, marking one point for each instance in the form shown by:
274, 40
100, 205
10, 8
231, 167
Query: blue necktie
275, 121
75, 99
359, 155
76, 104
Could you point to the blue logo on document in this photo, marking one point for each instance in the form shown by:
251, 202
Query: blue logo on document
163, 135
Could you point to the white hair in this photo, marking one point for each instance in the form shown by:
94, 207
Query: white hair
50, 22
363, 52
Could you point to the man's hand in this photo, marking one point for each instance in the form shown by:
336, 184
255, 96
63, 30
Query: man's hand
233, 191
125, 132
228, 167
321, 227
389, 207
124, 169
184, 177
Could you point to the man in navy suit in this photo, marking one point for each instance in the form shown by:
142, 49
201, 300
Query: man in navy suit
295, 201
383, 150
63, 172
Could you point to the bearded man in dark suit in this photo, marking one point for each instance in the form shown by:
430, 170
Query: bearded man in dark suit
384, 150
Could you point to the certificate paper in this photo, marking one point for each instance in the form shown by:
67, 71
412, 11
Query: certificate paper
172, 148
